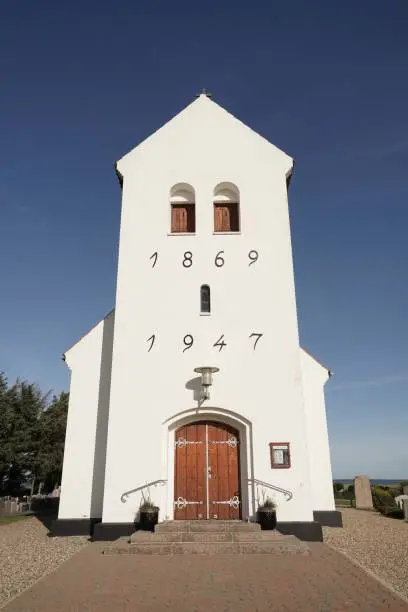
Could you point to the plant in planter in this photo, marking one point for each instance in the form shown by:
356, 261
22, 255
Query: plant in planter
267, 514
148, 515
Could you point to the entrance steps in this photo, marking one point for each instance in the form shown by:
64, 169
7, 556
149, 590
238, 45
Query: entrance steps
207, 538
209, 526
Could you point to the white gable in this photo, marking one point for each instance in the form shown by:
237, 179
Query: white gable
204, 119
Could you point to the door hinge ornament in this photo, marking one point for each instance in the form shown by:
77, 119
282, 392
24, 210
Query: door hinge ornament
232, 442
232, 503
182, 442
181, 503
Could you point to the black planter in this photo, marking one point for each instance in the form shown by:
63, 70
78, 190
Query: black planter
148, 519
267, 518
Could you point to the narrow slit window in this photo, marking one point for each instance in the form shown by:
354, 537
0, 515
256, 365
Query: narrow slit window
205, 299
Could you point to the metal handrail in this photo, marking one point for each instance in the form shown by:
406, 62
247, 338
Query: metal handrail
154, 483
162, 481
262, 483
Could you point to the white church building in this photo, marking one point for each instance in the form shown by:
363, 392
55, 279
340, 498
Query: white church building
194, 391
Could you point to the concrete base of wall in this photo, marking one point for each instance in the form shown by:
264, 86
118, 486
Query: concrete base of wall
328, 518
70, 527
307, 531
106, 532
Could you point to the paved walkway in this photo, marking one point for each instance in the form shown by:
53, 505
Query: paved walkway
325, 581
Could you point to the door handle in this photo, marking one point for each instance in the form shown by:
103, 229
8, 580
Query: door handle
209, 472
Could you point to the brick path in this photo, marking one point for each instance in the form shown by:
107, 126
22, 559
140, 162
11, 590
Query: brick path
325, 581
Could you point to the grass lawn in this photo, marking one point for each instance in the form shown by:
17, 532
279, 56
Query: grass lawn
6, 520
345, 503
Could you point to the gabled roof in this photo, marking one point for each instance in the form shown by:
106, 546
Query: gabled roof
87, 333
205, 109
330, 373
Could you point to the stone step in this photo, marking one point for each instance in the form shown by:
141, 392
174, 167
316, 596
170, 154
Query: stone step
209, 548
206, 526
225, 536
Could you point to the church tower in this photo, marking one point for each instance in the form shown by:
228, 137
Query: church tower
206, 294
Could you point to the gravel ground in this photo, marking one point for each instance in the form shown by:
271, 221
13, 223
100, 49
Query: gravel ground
27, 554
378, 543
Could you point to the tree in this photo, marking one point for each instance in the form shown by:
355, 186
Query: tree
52, 426
5, 429
32, 434
24, 405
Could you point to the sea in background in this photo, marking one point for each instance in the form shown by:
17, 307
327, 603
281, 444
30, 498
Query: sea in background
374, 481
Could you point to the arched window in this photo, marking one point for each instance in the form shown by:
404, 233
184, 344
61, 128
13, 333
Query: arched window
226, 208
205, 299
182, 202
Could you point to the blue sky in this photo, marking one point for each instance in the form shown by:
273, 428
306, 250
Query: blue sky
83, 82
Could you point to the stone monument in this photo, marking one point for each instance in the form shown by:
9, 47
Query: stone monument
362, 492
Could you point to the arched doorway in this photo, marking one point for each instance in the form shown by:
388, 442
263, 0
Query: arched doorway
207, 471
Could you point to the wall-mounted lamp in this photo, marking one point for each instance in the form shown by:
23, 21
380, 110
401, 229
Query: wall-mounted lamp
206, 379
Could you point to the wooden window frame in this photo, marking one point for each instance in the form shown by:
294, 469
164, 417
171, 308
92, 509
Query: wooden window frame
279, 466
189, 206
238, 218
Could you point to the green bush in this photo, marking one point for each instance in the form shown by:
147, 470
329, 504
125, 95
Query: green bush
382, 497
349, 492
395, 491
46, 505
395, 513
391, 511
338, 489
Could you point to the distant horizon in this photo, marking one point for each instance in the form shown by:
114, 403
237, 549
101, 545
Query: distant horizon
378, 479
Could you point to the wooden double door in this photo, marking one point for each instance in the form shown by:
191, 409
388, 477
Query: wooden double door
207, 474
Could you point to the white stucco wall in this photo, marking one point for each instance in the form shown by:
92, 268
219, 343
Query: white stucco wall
83, 473
204, 146
314, 377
